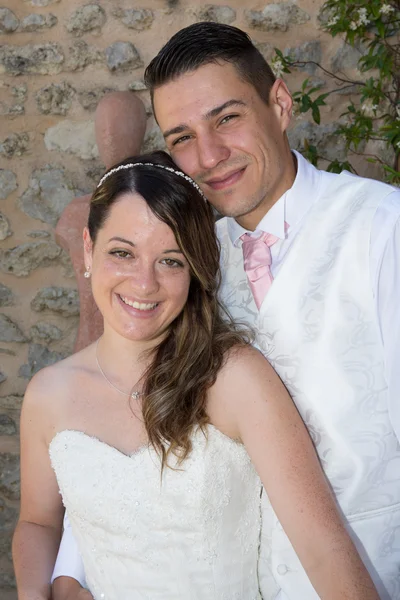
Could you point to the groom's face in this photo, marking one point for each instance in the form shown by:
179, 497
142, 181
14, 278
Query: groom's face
220, 132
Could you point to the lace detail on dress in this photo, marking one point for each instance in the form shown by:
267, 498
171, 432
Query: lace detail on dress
191, 535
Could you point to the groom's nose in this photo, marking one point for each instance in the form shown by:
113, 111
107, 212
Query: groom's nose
211, 150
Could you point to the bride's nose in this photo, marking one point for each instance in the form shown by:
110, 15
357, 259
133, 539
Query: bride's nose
144, 278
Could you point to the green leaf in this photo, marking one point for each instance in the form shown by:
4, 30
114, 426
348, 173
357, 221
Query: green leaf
320, 101
304, 84
316, 114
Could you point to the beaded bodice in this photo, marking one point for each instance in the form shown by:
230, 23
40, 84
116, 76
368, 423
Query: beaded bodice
191, 535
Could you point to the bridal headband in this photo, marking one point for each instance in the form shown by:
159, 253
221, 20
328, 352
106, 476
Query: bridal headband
148, 164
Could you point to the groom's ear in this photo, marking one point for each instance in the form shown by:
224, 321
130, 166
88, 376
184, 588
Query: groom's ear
282, 102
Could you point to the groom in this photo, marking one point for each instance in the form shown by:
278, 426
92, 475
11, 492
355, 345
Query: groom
312, 261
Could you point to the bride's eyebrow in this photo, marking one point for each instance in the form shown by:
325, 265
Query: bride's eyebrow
120, 239
124, 241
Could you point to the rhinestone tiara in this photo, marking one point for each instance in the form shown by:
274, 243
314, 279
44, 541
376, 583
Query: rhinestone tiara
149, 164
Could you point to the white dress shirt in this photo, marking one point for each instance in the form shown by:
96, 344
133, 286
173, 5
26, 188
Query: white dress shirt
285, 220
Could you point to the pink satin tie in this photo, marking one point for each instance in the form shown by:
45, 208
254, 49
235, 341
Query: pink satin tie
257, 263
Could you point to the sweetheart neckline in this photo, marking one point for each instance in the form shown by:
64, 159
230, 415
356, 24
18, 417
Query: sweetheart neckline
140, 450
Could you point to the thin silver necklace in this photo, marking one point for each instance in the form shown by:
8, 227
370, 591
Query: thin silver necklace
133, 395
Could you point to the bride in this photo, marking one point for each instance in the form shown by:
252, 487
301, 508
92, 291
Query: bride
160, 435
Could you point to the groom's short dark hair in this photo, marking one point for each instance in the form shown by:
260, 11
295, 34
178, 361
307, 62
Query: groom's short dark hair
204, 43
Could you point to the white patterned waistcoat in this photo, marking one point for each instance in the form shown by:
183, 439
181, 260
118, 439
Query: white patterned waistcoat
318, 328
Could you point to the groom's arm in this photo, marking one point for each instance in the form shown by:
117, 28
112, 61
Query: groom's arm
68, 577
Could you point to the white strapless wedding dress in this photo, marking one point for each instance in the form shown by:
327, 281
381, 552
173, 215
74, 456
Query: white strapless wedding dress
194, 535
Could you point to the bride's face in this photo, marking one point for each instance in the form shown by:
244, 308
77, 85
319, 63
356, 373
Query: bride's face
140, 278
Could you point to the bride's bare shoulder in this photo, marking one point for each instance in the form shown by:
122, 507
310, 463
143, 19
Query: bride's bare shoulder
60, 379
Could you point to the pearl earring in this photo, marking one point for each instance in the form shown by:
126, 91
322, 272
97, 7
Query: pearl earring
87, 273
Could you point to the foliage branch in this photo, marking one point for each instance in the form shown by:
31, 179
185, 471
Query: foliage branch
373, 112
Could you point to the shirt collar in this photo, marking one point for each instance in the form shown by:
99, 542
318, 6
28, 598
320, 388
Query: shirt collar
291, 206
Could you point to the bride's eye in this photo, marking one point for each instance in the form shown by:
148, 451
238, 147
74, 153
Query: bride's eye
120, 253
171, 262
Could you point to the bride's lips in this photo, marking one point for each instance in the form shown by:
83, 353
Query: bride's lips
138, 308
220, 183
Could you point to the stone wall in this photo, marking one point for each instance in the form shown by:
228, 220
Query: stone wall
57, 59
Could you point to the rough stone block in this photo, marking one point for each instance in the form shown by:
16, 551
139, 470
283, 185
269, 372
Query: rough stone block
8, 183
23, 259
267, 50
330, 145
11, 402
5, 230
45, 332
15, 144
60, 300
90, 17
137, 86
138, 19
38, 357
7, 425
347, 57
17, 107
33, 59
50, 190
276, 17
55, 99
6, 296
9, 476
122, 56
90, 98
39, 233
216, 13
8, 520
38, 22
9, 331
8, 21
74, 138
153, 141
81, 55
308, 51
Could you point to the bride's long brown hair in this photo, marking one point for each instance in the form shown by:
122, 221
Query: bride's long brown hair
185, 364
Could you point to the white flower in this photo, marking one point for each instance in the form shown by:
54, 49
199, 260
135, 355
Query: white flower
362, 17
386, 9
277, 67
333, 21
368, 108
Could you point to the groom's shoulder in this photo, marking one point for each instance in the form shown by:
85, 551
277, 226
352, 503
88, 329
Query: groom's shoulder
347, 179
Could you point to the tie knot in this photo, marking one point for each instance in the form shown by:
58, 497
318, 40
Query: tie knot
264, 238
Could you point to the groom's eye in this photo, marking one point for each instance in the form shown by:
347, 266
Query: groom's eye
227, 118
183, 138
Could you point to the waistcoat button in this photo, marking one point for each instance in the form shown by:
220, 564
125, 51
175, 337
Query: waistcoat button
282, 569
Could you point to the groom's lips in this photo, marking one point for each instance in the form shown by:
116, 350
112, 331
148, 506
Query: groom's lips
220, 183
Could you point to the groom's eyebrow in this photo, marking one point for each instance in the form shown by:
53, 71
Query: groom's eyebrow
214, 112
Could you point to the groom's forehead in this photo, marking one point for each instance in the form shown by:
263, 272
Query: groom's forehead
194, 93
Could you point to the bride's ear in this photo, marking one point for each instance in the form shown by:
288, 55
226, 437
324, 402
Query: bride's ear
87, 249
